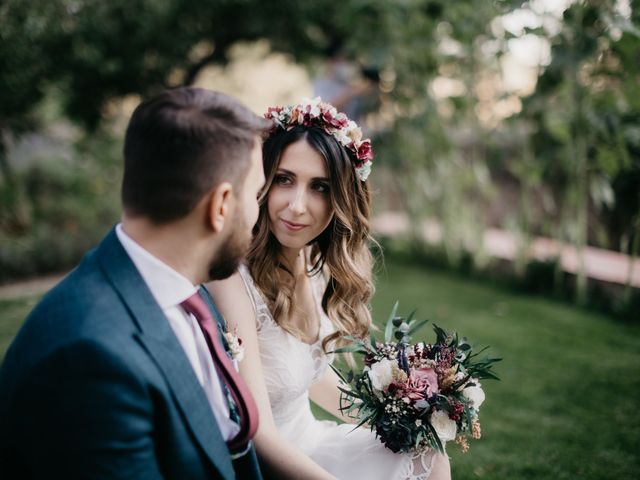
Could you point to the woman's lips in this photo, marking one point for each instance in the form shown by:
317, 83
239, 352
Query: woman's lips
294, 227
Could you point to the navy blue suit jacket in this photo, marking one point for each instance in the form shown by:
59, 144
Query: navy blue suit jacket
96, 385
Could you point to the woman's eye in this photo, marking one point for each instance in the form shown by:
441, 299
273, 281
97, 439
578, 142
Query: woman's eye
281, 180
321, 187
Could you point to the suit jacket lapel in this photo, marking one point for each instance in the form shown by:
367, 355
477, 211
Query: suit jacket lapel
161, 343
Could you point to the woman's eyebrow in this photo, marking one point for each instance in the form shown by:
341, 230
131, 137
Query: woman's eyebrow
289, 172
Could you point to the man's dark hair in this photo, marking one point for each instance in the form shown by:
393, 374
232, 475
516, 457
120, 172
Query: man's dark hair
181, 144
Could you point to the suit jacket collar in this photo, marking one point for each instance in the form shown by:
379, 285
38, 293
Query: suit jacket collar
158, 339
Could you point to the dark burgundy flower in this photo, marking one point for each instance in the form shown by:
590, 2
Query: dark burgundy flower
456, 412
365, 152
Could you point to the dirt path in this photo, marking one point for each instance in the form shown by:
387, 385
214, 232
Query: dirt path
30, 287
603, 265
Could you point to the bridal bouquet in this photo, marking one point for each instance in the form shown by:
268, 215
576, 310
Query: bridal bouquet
416, 396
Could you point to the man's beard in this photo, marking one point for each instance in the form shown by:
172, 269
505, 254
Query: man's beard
231, 253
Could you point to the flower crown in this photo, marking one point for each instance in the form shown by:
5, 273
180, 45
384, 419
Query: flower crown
316, 113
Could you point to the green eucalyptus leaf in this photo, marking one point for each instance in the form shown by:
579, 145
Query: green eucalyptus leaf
338, 373
350, 349
435, 440
389, 328
349, 393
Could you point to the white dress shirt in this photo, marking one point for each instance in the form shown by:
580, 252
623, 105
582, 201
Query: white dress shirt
170, 289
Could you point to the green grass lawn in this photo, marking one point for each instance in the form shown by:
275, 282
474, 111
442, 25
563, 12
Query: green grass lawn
567, 405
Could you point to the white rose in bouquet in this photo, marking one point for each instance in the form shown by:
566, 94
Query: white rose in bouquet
381, 374
444, 426
474, 393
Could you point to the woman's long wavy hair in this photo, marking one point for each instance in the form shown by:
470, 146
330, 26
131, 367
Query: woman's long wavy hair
341, 251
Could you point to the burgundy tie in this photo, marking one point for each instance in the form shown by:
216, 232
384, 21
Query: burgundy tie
247, 410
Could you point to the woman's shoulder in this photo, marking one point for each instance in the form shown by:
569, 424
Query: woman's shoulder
250, 286
260, 306
238, 298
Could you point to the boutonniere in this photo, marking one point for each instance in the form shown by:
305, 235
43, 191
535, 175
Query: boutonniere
234, 344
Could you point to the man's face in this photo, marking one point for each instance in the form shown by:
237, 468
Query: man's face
244, 217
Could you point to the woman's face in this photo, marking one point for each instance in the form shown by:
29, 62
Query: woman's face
299, 201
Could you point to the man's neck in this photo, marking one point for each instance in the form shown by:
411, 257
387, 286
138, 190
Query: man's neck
170, 244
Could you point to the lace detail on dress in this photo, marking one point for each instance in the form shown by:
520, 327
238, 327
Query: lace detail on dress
419, 467
290, 366
263, 315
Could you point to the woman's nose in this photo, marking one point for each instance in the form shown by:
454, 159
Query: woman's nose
298, 202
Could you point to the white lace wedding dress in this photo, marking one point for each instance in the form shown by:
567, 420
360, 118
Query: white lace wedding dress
290, 368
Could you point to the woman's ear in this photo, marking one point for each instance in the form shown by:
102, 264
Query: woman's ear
220, 206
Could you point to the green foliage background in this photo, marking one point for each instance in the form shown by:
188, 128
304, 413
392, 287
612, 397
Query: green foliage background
571, 153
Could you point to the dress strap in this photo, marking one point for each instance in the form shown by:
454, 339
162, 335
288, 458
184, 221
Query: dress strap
248, 285
258, 302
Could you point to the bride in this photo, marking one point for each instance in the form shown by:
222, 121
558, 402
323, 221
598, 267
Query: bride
307, 283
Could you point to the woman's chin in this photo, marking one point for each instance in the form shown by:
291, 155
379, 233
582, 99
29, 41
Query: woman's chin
292, 240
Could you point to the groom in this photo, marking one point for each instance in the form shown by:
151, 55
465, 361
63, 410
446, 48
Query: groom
112, 374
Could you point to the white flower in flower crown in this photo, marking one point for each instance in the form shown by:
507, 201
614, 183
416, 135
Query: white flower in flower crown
328, 108
474, 393
364, 171
342, 137
444, 426
313, 105
353, 132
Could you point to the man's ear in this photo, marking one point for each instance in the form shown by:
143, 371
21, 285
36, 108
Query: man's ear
220, 207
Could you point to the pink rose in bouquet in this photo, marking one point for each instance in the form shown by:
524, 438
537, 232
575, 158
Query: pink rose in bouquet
421, 384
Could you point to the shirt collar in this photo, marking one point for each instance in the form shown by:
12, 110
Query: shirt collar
167, 286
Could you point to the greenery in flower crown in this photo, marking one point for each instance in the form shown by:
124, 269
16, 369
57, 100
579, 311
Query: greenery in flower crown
416, 397
316, 113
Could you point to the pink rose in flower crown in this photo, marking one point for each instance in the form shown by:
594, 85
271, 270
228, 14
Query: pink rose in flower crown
338, 121
273, 112
365, 152
422, 383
